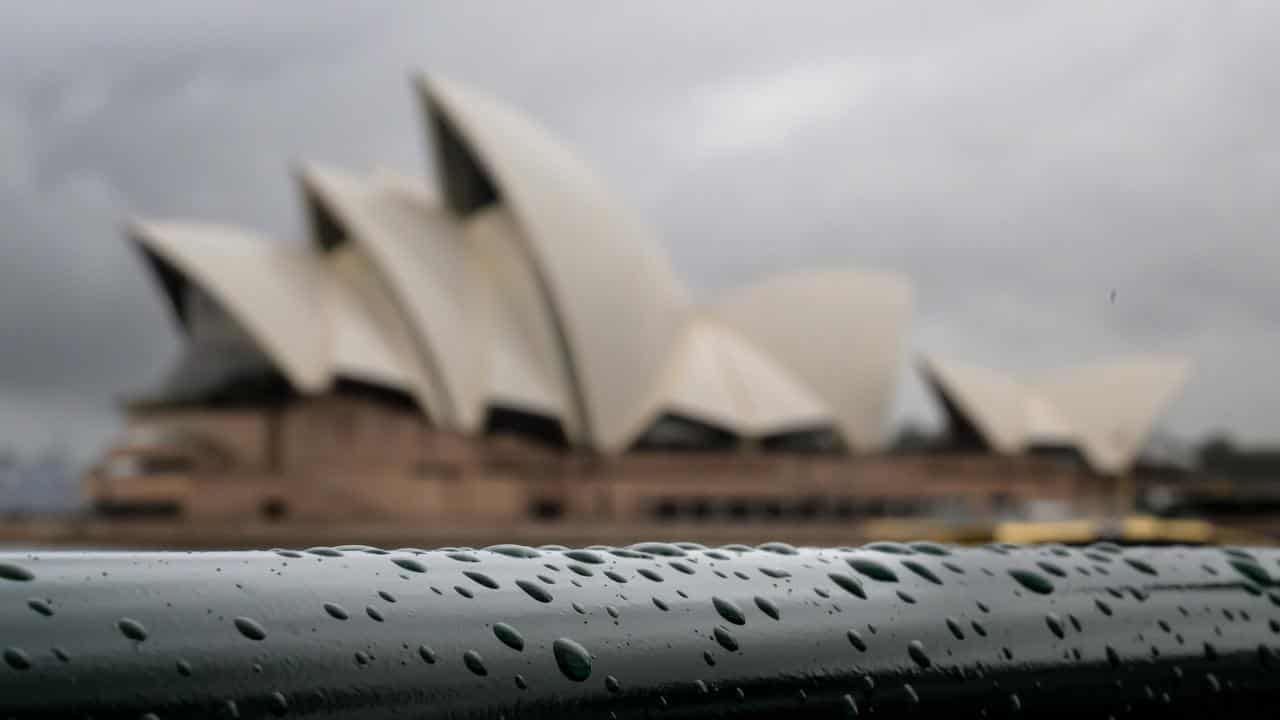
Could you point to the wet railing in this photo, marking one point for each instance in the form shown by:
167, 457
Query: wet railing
652, 630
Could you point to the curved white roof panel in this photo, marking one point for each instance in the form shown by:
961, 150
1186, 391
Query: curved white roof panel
368, 339
617, 305
417, 247
995, 404
1113, 406
1105, 410
718, 378
526, 365
269, 288
837, 331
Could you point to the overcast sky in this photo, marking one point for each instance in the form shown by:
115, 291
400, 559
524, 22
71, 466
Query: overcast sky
1017, 160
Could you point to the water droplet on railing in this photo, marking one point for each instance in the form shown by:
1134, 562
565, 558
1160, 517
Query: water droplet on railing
573, 660
509, 636
729, 610
132, 629
250, 628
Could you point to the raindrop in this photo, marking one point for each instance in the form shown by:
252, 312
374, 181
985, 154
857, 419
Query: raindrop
481, 579
534, 591
907, 597
849, 584
616, 577
586, 556
779, 548
929, 548
1052, 568
658, 548
336, 611
279, 703
474, 663
61, 655
775, 573
611, 684
464, 557
250, 629
515, 551
916, 650
729, 610
650, 574
855, 639
727, 641
613, 611
520, 683
912, 695
660, 604
16, 659
954, 626
1113, 657
923, 571
40, 606
850, 705
1141, 566
683, 567
1251, 570
1032, 580
132, 629
427, 654
582, 570
288, 553
410, 564
362, 658
873, 569
464, 592
386, 596
184, 668
978, 628
509, 636
1210, 652
768, 607
10, 572
892, 548
324, 552
232, 710
1105, 608
573, 659
707, 657
1055, 624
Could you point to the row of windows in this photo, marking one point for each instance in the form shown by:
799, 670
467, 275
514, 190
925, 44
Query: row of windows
709, 509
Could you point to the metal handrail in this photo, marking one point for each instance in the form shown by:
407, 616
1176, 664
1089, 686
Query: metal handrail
652, 630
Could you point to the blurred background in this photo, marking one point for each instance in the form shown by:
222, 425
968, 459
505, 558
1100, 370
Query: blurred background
817, 272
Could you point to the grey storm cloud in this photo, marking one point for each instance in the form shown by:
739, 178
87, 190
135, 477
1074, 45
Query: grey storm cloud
1019, 161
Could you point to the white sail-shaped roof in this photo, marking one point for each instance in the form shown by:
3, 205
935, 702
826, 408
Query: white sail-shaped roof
526, 367
995, 404
1106, 411
315, 318
1112, 406
617, 305
838, 331
720, 379
269, 288
368, 339
417, 249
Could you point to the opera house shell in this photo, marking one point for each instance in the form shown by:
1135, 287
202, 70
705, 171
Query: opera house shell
516, 326
521, 285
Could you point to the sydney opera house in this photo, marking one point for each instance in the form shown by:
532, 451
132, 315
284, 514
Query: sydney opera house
509, 345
